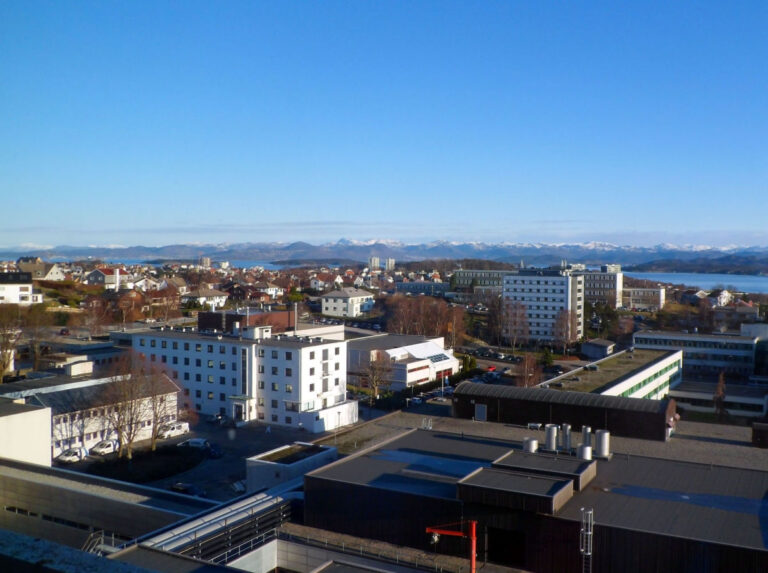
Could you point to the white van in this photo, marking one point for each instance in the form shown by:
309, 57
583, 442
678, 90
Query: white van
172, 430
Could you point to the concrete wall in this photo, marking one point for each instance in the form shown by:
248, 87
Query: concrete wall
262, 473
26, 436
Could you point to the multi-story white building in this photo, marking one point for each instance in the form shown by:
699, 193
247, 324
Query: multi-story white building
545, 296
604, 286
389, 264
17, 288
374, 263
297, 381
347, 302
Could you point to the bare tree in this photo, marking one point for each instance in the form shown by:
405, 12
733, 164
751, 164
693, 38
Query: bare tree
719, 397
36, 326
517, 326
566, 328
530, 370
9, 335
159, 407
128, 408
377, 373
495, 317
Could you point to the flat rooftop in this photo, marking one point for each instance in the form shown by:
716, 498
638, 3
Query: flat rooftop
515, 482
695, 501
610, 371
672, 334
387, 341
421, 462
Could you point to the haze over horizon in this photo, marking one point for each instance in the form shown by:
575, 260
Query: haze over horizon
145, 124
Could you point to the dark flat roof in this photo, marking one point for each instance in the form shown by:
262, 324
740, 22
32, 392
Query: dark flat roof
419, 462
522, 460
513, 482
471, 389
10, 408
695, 501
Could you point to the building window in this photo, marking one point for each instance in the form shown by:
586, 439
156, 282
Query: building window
234, 351
288, 420
289, 388
164, 359
261, 369
275, 386
274, 370
311, 387
175, 359
274, 354
198, 362
210, 378
163, 344
141, 342
325, 354
210, 364
222, 365
336, 382
222, 397
175, 345
234, 366
261, 353
222, 380
312, 355
210, 395
261, 384
311, 371
186, 376
210, 348
152, 357
274, 403
274, 417
289, 372
153, 343
198, 393
198, 378
336, 366
222, 349
336, 351
260, 401
186, 361
186, 346
289, 355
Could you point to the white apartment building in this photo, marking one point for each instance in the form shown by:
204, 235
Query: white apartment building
297, 381
545, 294
17, 288
604, 286
374, 263
347, 302
389, 264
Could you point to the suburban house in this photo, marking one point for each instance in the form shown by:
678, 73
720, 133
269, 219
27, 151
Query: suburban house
347, 302
110, 279
41, 271
17, 288
206, 297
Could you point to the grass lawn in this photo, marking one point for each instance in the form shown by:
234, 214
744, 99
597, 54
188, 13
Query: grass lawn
148, 466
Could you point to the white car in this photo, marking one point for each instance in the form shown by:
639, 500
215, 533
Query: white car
104, 447
172, 429
199, 443
72, 455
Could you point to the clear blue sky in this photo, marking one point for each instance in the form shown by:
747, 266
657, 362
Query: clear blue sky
163, 122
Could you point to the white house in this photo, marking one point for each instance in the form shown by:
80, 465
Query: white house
348, 302
17, 288
111, 279
206, 296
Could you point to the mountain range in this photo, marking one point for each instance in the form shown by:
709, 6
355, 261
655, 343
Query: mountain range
533, 254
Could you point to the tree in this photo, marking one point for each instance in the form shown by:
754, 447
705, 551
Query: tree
496, 320
566, 328
517, 327
530, 370
36, 326
719, 397
128, 408
10, 332
377, 373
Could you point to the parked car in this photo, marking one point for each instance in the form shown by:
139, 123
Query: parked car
64, 332
72, 455
416, 400
188, 489
172, 430
105, 447
199, 443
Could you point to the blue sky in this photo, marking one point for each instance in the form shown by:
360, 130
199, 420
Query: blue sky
174, 122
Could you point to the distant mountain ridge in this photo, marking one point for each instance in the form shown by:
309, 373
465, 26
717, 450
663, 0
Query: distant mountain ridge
535, 254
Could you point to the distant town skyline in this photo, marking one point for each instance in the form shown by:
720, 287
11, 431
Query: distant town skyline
145, 123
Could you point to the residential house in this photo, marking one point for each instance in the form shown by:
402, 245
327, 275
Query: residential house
17, 288
347, 302
41, 271
206, 297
